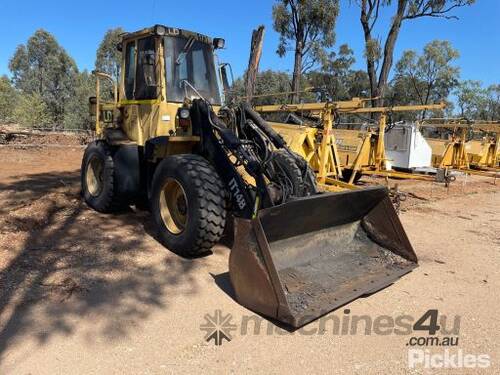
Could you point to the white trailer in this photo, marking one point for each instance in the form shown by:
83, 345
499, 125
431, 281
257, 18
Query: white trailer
406, 148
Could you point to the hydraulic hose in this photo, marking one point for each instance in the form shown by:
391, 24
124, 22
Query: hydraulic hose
277, 140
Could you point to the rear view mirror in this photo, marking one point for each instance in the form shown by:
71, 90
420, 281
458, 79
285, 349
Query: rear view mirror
92, 105
225, 70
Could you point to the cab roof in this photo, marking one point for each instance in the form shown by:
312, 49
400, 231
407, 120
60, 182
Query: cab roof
162, 30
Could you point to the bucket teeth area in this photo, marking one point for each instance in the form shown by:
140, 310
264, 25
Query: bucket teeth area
349, 264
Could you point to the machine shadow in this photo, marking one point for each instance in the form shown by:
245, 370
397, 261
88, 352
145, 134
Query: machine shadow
223, 281
59, 261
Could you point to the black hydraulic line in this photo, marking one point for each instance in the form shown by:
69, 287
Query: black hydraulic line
277, 140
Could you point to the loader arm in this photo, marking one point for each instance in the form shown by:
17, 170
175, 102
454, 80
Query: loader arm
217, 144
296, 259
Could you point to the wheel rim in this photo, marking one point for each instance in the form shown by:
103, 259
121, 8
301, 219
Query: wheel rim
173, 206
94, 176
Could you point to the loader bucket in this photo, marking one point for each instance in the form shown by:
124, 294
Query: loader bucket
298, 261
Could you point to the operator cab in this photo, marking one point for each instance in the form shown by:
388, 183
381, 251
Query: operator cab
185, 58
163, 70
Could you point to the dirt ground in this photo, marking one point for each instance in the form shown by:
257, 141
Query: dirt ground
82, 292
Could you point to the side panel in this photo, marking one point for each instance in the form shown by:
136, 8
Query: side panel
406, 148
130, 123
420, 152
348, 145
147, 125
127, 171
438, 147
398, 146
475, 149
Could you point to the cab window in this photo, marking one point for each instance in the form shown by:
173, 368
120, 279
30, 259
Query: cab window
145, 84
130, 53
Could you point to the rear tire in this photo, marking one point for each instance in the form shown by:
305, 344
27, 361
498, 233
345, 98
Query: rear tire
287, 164
188, 203
298, 171
308, 176
98, 178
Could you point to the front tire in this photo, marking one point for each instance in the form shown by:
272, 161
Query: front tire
188, 203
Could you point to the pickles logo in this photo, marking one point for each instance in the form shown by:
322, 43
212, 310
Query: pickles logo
218, 327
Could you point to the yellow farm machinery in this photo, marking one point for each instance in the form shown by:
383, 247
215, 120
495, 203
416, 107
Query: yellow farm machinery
338, 155
462, 150
168, 140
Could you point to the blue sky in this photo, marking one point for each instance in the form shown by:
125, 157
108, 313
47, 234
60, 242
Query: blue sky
80, 25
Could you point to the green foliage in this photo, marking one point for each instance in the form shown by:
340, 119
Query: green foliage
108, 58
337, 77
472, 99
306, 27
358, 84
270, 82
493, 103
477, 102
50, 89
311, 23
77, 108
44, 70
373, 51
31, 110
8, 97
267, 82
425, 78
379, 60
434, 8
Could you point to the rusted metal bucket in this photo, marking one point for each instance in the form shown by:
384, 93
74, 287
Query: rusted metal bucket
298, 261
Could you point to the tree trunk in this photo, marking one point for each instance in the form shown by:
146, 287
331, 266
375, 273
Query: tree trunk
427, 96
370, 63
390, 43
297, 72
253, 63
378, 86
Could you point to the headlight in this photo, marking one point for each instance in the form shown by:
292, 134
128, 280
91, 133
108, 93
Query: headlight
184, 113
219, 43
160, 30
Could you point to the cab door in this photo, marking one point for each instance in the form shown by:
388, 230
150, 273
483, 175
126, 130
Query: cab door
130, 109
146, 88
141, 104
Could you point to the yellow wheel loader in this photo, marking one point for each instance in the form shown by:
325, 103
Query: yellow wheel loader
167, 139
